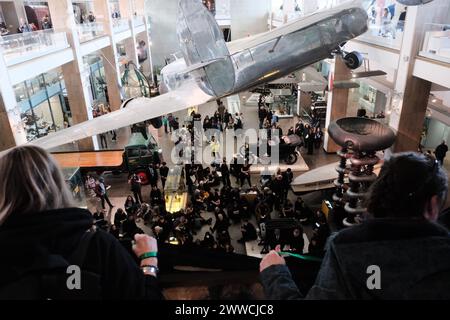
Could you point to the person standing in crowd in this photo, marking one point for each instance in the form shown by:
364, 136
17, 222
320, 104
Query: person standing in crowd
103, 193
165, 122
318, 135
288, 177
221, 109
152, 175
401, 237
262, 115
215, 148
38, 216
309, 140
91, 17
441, 152
103, 142
24, 26
155, 196
163, 172
245, 174
174, 124
46, 22
136, 187
225, 171
402, 19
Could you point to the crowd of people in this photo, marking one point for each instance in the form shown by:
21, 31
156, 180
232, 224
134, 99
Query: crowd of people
403, 228
241, 203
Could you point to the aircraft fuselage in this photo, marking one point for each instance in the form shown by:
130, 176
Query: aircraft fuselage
283, 53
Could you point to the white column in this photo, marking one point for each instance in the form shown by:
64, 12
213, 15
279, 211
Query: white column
12, 129
126, 11
75, 77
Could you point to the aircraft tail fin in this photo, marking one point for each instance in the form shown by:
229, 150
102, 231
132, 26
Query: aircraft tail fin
204, 49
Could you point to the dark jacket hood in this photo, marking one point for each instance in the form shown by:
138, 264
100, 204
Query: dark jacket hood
25, 238
413, 256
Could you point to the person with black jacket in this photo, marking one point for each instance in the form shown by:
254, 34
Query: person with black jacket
225, 171
130, 205
401, 238
248, 232
155, 196
42, 233
441, 152
136, 188
163, 172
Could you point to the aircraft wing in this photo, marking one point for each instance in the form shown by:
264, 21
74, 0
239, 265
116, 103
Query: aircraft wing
137, 110
294, 26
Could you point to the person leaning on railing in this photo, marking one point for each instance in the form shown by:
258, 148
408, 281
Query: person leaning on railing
399, 253
45, 239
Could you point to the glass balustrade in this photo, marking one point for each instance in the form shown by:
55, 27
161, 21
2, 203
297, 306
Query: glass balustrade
138, 21
121, 25
21, 45
436, 42
91, 30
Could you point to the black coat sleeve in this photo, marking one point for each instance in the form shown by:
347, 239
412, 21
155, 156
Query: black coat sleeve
278, 284
121, 276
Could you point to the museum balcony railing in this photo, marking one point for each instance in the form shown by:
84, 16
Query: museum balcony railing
121, 25
388, 34
91, 30
138, 21
436, 42
19, 47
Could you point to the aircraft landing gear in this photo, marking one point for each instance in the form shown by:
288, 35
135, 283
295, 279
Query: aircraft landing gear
354, 60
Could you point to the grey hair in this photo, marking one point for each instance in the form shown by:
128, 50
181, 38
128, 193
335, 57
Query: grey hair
31, 182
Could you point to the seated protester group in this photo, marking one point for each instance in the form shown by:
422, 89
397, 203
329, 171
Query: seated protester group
42, 233
400, 237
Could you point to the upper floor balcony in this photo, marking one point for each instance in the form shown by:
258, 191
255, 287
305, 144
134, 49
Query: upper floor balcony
22, 47
90, 31
436, 42
138, 21
121, 25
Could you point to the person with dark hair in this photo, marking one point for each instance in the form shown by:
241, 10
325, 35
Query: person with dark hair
163, 172
401, 238
152, 175
130, 205
225, 172
103, 193
135, 183
248, 232
321, 232
155, 196
245, 174
296, 241
208, 241
119, 217
441, 152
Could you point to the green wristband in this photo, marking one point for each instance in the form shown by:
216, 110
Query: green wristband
300, 256
149, 255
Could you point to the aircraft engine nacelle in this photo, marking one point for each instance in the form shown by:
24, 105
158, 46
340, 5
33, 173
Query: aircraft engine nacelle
204, 49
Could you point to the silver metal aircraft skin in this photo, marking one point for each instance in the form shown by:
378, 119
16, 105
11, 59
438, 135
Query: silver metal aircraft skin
414, 2
221, 70
212, 68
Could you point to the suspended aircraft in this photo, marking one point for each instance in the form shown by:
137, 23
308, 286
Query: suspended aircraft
212, 69
414, 2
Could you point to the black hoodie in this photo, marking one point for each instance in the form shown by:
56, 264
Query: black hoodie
413, 256
26, 238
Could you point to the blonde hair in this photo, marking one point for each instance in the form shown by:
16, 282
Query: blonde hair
31, 182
